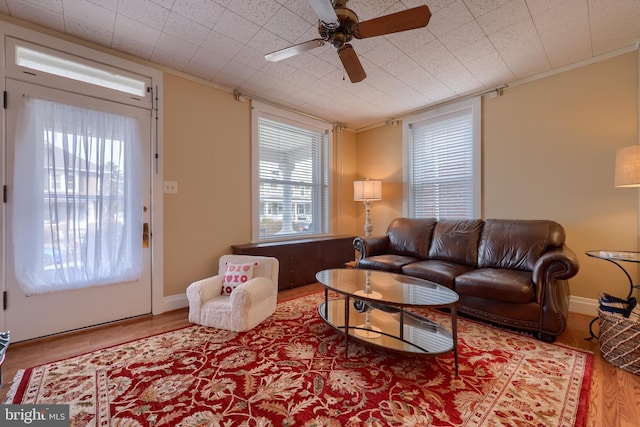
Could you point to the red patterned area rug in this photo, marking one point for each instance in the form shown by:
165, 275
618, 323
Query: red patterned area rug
291, 370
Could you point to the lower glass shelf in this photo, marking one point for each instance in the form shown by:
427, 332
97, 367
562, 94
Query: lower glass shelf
388, 327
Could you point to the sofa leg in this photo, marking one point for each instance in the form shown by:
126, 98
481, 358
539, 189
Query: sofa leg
545, 337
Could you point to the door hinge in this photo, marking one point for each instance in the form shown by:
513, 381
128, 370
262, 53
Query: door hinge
4, 99
4, 194
4, 300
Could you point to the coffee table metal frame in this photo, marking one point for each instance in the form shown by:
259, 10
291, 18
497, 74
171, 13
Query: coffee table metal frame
390, 292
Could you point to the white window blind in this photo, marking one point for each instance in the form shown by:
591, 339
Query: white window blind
293, 183
443, 180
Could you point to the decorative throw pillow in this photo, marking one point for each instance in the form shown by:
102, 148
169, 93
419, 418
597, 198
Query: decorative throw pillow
236, 274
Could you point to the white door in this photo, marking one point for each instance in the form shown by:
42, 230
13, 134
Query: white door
75, 251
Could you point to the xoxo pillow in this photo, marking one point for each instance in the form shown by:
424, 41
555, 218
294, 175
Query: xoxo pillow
236, 274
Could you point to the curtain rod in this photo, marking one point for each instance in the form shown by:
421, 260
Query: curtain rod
497, 91
241, 96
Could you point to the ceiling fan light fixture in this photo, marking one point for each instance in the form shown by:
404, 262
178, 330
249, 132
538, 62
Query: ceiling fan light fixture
337, 40
325, 12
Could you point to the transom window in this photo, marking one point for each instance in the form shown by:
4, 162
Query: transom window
59, 66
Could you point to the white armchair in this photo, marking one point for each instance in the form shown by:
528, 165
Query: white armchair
250, 302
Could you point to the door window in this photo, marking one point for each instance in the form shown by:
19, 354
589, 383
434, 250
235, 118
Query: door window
86, 186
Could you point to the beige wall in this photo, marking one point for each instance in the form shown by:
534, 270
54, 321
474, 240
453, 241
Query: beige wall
207, 151
379, 156
345, 173
548, 150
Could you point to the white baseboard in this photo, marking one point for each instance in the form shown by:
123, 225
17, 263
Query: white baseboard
175, 302
583, 306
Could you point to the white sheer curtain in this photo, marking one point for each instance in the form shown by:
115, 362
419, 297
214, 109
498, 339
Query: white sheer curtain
77, 204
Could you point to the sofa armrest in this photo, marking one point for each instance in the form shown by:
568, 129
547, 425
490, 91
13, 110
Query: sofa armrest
370, 246
550, 274
556, 264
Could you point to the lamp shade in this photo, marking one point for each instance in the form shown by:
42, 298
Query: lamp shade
370, 189
628, 166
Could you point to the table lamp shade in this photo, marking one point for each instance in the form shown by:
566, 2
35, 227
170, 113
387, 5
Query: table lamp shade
370, 189
628, 167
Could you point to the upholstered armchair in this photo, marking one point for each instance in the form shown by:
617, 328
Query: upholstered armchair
243, 294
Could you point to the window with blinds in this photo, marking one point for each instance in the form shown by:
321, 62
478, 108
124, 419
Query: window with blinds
292, 166
443, 157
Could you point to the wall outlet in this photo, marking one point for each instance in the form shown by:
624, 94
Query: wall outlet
171, 187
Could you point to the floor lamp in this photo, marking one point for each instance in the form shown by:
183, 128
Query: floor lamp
628, 166
367, 191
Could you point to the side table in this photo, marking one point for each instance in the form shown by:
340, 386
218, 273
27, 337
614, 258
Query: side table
615, 257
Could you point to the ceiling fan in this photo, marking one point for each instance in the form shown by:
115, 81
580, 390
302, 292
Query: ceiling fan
338, 25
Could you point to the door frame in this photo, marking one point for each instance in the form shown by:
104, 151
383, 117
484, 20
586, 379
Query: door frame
155, 91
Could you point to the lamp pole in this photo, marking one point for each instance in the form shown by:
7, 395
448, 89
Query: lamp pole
367, 191
368, 227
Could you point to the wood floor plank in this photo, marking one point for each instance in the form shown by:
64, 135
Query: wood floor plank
614, 399
629, 396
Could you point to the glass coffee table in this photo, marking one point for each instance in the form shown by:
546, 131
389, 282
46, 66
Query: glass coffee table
372, 309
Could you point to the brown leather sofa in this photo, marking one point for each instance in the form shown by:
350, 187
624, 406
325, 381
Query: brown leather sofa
508, 272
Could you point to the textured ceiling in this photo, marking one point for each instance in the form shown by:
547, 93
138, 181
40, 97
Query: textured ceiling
469, 46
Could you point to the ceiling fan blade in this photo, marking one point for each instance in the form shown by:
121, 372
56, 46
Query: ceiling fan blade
351, 63
290, 51
409, 19
325, 12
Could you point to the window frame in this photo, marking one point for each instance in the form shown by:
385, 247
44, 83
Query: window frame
474, 106
262, 110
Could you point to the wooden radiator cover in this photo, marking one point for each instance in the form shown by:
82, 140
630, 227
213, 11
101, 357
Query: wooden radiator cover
301, 259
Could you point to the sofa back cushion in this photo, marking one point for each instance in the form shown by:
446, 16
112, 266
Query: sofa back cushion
411, 236
517, 244
456, 241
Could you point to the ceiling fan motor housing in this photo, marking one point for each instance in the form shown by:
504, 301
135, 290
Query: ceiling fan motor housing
342, 33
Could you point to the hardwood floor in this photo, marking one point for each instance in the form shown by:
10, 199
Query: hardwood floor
614, 399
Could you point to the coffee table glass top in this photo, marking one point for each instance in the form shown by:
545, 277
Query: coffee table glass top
629, 256
391, 288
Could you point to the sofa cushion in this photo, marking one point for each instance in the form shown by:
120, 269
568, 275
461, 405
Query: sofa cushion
517, 244
389, 262
500, 284
440, 272
456, 241
411, 236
